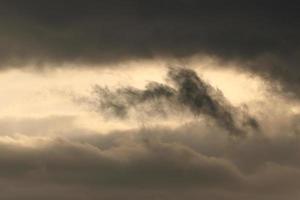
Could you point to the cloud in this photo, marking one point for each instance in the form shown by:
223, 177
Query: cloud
187, 91
195, 160
261, 36
157, 162
56, 158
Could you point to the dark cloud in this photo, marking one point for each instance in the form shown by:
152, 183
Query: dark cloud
185, 92
195, 159
51, 158
262, 36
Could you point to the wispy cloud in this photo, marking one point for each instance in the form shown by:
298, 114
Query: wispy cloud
186, 91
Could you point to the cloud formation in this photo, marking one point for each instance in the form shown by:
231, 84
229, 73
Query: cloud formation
196, 159
53, 157
186, 91
261, 36
59, 157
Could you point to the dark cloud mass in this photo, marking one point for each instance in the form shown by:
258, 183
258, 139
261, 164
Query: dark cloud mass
193, 161
262, 36
186, 91
63, 157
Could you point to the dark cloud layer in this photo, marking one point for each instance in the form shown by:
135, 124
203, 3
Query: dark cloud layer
186, 91
263, 36
194, 161
51, 158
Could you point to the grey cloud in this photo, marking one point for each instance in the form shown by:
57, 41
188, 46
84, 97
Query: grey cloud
186, 91
195, 159
261, 36
142, 163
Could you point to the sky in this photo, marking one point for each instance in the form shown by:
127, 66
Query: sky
137, 99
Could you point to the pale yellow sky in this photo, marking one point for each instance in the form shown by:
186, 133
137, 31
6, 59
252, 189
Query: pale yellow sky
28, 94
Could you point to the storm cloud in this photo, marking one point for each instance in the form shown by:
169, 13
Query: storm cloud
262, 36
53, 157
212, 148
196, 160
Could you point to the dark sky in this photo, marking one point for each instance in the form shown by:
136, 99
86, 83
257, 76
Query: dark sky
262, 35
102, 31
225, 153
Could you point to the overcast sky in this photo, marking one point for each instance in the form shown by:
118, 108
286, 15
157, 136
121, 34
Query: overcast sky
160, 99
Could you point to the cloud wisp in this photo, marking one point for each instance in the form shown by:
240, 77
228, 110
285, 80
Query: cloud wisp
186, 91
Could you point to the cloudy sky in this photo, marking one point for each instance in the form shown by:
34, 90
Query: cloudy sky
149, 99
